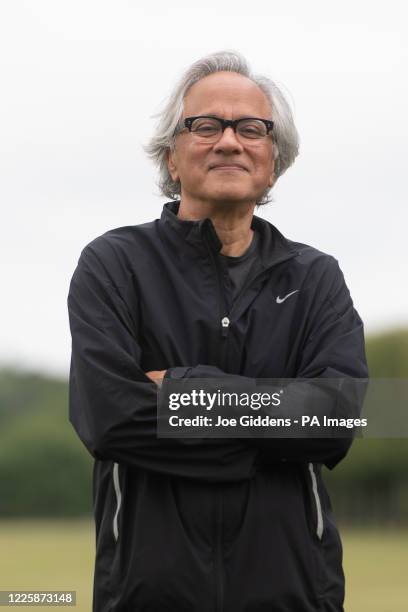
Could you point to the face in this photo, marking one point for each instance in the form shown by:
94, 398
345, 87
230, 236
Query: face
227, 170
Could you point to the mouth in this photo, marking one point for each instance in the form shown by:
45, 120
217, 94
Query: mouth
228, 167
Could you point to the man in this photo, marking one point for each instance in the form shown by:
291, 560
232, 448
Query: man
210, 290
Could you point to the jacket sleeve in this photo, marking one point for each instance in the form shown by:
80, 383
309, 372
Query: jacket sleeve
333, 349
113, 404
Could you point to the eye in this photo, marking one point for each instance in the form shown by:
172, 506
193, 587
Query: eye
252, 128
205, 126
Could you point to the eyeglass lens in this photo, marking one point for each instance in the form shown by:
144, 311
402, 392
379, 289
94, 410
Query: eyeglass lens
207, 128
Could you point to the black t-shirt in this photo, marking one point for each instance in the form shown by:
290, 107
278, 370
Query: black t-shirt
240, 267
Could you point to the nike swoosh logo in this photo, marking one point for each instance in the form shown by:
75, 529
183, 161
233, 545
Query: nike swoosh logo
279, 300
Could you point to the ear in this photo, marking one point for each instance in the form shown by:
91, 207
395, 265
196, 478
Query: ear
272, 177
172, 165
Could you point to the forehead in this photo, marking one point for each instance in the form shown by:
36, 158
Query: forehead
228, 95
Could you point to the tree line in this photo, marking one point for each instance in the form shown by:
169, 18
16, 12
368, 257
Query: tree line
46, 471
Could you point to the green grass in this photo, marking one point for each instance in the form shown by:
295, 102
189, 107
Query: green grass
48, 555
376, 566
58, 555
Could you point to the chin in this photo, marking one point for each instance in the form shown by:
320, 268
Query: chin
226, 200
230, 196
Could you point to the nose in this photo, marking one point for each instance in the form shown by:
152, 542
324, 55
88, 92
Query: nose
228, 141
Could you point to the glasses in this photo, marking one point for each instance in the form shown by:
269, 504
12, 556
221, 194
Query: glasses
209, 129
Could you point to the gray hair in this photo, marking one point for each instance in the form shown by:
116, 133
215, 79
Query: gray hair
285, 135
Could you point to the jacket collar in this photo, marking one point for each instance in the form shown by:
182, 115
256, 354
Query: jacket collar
274, 246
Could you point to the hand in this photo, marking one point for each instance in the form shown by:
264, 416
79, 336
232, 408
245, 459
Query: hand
156, 376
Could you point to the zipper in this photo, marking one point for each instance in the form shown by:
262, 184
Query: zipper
118, 493
219, 591
223, 306
225, 324
319, 514
225, 319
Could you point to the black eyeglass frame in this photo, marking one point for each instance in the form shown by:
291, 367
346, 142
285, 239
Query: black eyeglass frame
188, 122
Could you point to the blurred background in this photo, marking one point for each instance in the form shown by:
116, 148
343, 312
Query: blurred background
80, 83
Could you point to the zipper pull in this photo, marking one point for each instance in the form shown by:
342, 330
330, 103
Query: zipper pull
225, 322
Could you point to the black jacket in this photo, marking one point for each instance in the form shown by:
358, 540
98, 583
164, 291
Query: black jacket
215, 525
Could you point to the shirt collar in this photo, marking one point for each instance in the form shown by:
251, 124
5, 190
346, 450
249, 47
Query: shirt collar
274, 247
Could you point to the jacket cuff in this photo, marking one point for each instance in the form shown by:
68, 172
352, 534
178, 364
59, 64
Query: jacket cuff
179, 372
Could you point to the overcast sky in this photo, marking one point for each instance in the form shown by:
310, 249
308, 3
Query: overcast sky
80, 81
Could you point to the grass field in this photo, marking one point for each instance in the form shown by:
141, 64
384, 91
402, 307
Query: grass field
58, 555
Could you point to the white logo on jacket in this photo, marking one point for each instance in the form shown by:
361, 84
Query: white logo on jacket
279, 300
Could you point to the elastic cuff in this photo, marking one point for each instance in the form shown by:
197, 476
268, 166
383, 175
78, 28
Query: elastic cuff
179, 372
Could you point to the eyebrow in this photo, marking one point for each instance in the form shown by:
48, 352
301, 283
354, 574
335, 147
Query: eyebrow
215, 116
